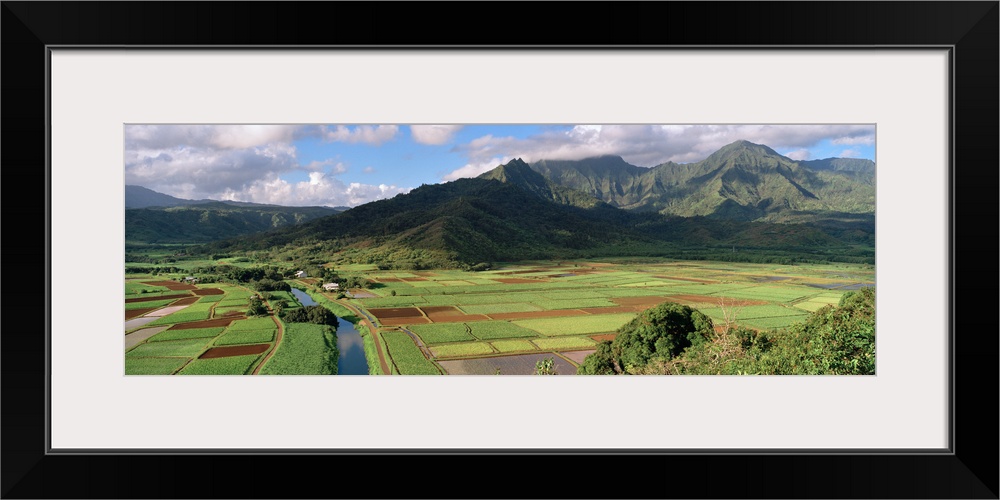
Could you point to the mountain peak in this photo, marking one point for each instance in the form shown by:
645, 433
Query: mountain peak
744, 145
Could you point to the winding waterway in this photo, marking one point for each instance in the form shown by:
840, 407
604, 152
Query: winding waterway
352, 359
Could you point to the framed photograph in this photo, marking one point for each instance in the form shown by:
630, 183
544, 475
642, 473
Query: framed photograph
262, 105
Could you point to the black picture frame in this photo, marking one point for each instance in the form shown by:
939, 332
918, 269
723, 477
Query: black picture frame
969, 470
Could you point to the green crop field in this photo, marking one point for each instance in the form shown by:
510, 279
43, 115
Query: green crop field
407, 355
187, 348
190, 333
194, 312
772, 322
146, 305
305, 349
576, 325
459, 350
488, 330
499, 308
252, 324
208, 299
564, 343
441, 332
153, 366
513, 345
233, 365
234, 337
574, 303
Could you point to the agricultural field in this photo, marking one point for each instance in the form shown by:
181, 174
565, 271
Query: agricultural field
474, 322
193, 333
462, 322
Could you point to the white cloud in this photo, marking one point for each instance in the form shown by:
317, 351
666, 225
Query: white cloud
363, 133
433, 134
319, 190
867, 139
369, 170
212, 136
475, 169
849, 153
799, 154
648, 145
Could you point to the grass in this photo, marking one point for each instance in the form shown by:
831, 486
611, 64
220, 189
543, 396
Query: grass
574, 303
576, 325
188, 348
442, 332
209, 299
513, 345
305, 349
406, 355
564, 343
246, 337
190, 333
233, 365
459, 350
153, 366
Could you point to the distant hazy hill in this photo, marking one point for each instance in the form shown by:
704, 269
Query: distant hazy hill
742, 181
166, 219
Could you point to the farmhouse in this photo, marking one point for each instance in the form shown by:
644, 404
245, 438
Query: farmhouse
330, 287
190, 279
300, 274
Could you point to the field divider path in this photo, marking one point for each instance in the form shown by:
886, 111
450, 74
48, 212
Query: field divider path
373, 331
274, 347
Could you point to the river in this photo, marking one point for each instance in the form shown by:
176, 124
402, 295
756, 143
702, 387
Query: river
352, 359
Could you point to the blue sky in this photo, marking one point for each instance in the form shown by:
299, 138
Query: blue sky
348, 165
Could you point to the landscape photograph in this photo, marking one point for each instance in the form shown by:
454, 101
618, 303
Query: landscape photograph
499, 249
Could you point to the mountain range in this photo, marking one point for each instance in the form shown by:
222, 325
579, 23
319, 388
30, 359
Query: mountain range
741, 181
152, 217
744, 202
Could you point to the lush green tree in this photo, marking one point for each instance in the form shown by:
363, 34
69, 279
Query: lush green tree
663, 331
257, 307
601, 362
311, 314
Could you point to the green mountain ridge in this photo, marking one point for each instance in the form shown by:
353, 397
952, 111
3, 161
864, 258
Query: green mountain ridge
743, 181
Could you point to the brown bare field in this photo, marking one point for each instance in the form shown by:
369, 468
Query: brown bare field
414, 279
611, 310
678, 278
161, 297
405, 320
229, 314
236, 350
458, 318
604, 336
441, 310
639, 301
135, 313
361, 294
208, 323
185, 301
388, 280
517, 281
208, 291
394, 312
171, 285
539, 314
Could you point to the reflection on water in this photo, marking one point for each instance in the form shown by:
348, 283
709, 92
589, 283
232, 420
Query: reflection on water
352, 359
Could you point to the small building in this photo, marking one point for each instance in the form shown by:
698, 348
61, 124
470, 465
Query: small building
331, 287
190, 279
300, 274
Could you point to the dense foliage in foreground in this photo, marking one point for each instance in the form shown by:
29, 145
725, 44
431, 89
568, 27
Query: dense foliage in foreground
672, 339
